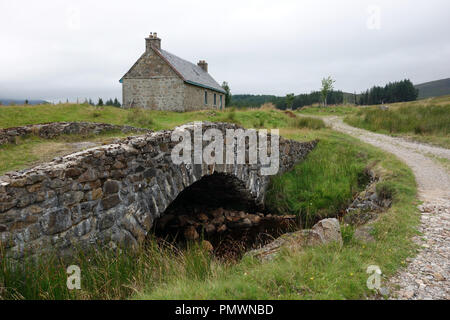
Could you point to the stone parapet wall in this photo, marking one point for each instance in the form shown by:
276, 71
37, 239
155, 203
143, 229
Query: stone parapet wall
111, 195
55, 129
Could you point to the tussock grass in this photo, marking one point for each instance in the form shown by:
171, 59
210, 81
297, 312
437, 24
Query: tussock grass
425, 120
307, 122
140, 117
430, 120
268, 106
105, 274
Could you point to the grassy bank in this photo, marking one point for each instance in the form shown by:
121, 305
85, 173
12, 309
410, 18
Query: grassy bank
318, 187
429, 124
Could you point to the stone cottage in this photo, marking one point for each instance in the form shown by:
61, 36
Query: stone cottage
160, 80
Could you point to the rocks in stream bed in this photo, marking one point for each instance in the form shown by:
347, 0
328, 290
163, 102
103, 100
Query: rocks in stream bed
207, 222
325, 231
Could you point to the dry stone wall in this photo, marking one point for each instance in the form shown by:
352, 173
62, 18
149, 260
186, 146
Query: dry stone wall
55, 129
111, 195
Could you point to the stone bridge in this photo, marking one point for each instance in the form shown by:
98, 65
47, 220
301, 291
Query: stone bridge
112, 195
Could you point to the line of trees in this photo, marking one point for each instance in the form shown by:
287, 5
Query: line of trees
400, 91
307, 99
100, 103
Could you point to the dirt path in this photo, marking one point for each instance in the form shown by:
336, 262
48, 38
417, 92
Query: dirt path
428, 275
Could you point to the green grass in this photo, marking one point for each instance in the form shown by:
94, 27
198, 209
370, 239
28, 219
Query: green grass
306, 122
104, 274
424, 120
430, 121
328, 111
318, 187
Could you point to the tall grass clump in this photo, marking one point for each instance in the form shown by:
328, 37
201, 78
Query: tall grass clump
414, 119
306, 122
105, 274
268, 106
140, 117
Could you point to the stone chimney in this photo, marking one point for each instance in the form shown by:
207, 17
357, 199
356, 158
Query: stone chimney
202, 64
152, 41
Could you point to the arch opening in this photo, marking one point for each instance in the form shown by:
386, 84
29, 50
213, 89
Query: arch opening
220, 210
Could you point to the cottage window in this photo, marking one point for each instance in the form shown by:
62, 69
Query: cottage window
221, 104
215, 100
206, 97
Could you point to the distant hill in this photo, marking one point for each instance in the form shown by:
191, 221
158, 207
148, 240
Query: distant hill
434, 88
7, 102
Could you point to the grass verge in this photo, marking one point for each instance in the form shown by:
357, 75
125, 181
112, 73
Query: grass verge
430, 124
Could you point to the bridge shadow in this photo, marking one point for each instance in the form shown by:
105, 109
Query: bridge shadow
220, 209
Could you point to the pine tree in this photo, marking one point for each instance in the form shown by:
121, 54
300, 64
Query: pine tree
100, 102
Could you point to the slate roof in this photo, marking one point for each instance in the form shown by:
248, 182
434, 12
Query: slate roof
191, 73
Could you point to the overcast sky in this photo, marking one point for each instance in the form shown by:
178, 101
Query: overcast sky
68, 49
